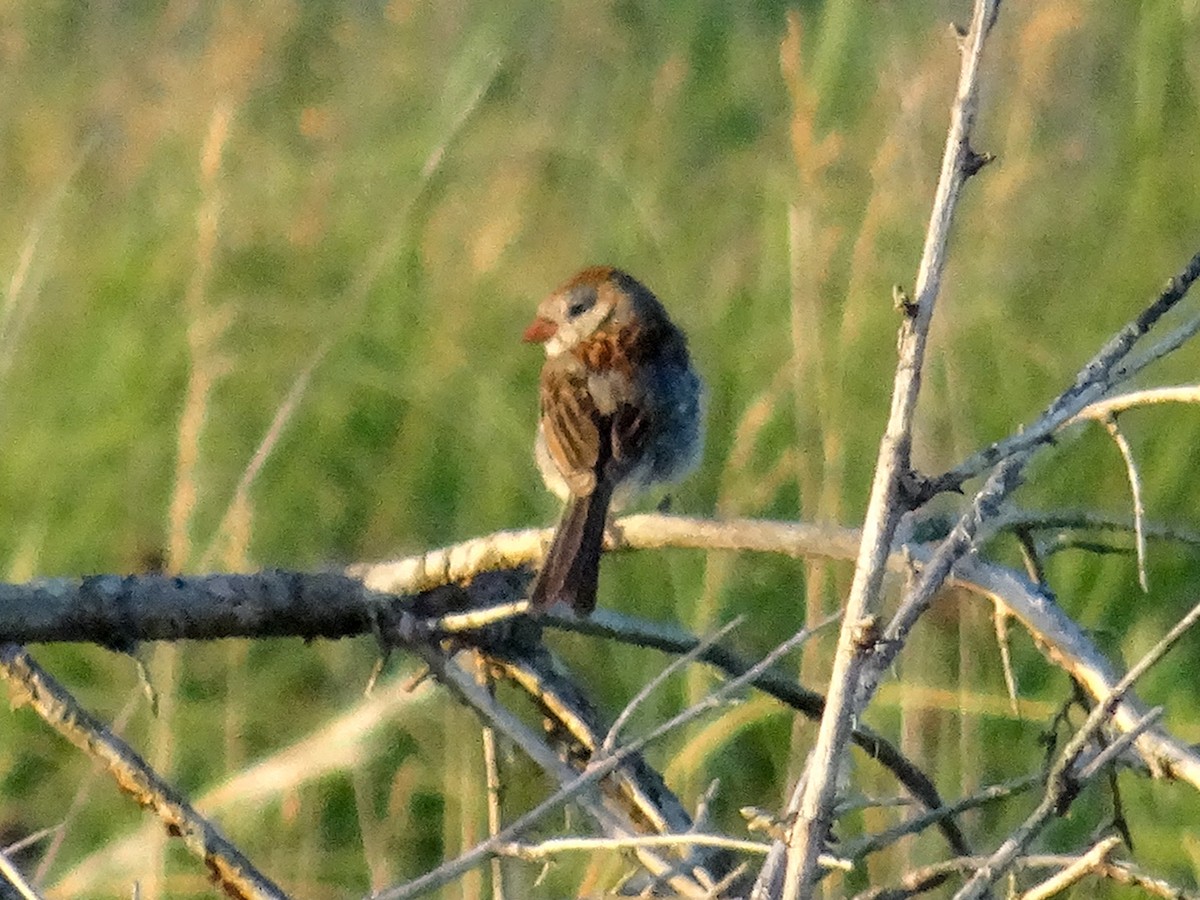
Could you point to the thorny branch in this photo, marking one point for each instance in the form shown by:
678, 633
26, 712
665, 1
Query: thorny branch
812, 800
1064, 782
236, 874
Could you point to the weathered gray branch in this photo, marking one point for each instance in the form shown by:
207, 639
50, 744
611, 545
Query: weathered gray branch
53, 703
812, 800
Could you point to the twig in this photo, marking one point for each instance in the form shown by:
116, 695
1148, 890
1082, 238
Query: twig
930, 877
873, 843
344, 743
12, 875
1088, 864
574, 786
82, 792
453, 623
1115, 405
652, 685
1119, 746
813, 804
58, 708
927, 878
1105, 369
1062, 786
491, 767
1017, 520
1126, 873
1135, 488
671, 639
554, 846
966, 533
453, 868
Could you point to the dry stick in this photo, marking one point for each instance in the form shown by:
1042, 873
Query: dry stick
671, 639
1120, 745
1119, 403
347, 742
1088, 864
58, 708
1128, 874
577, 731
82, 793
929, 877
554, 846
12, 875
1094, 378
1102, 372
873, 843
597, 770
1015, 520
33, 837
491, 767
1135, 489
813, 800
574, 787
1062, 785
675, 665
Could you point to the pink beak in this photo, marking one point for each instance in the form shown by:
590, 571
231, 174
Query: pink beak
539, 331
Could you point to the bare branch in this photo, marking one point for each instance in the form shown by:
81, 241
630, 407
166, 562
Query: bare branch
56, 706
117, 611
1062, 784
597, 770
1115, 405
675, 665
491, 768
873, 843
1016, 520
1120, 745
11, 875
1105, 370
813, 799
1135, 488
555, 846
930, 877
1089, 864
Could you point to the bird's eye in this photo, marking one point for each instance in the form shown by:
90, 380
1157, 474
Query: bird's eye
581, 302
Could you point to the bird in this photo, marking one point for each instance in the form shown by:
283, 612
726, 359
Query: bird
621, 410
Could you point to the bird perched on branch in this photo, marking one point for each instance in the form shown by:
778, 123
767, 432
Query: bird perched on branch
621, 410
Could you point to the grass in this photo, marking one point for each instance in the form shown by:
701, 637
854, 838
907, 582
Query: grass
389, 191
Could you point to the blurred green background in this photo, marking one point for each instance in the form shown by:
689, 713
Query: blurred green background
208, 205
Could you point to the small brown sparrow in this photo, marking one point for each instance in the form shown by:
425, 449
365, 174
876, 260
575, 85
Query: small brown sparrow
621, 409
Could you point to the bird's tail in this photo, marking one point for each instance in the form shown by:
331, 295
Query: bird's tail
572, 567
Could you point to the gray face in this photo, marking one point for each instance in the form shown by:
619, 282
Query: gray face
577, 312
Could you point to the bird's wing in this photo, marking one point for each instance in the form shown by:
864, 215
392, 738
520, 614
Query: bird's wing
577, 435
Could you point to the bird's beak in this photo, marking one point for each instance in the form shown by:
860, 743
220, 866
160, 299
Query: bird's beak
539, 331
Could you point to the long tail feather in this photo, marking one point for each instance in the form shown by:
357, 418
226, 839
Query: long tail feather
572, 568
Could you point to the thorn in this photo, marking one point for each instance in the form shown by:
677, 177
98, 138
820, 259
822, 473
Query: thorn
903, 303
974, 161
867, 633
960, 33
415, 680
915, 489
